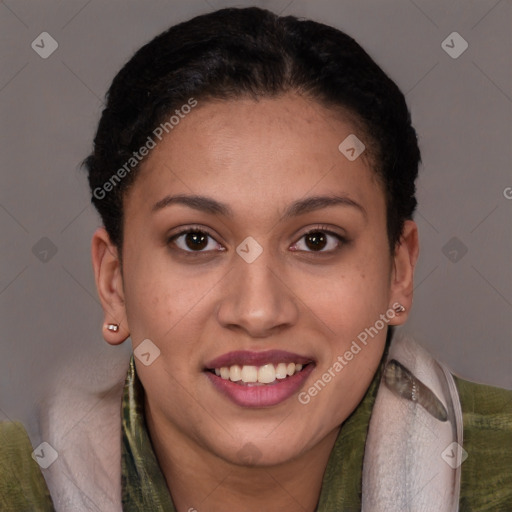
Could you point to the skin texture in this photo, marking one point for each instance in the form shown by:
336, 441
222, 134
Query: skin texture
257, 157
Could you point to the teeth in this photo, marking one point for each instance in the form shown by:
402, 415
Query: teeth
281, 371
249, 374
265, 374
235, 373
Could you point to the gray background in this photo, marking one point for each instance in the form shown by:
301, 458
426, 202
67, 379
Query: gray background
461, 107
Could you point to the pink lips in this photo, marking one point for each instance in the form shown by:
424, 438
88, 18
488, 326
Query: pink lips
245, 357
265, 395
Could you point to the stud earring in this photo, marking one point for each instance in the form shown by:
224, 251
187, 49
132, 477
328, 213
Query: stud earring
113, 327
399, 309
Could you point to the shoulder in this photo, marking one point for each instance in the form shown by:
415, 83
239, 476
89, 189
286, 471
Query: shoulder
22, 485
486, 474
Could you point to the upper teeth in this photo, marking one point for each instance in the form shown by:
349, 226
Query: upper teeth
264, 374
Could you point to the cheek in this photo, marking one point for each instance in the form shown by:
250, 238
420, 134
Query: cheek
352, 297
360, 319
356, 377
147, 294
163, 303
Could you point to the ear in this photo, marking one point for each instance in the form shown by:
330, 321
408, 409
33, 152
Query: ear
402, 278
109, 283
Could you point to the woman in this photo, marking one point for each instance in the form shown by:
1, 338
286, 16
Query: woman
255, 176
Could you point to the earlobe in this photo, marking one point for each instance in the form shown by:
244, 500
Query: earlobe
405, 258
114, 337
109, 284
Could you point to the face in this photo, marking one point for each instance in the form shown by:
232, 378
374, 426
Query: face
283, 260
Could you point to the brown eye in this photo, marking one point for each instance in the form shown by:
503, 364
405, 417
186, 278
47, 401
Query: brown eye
316, 241
319, 240
194, 240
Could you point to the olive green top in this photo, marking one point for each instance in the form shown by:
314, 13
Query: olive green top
22, 486
486, 481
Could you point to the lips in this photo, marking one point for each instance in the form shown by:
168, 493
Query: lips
259, 379
247, 358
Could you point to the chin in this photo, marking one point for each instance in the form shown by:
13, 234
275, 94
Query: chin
258, 452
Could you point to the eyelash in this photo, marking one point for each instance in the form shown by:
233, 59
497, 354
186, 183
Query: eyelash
326, 230
318, 229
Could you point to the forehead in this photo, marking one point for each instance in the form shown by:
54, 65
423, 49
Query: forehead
286, 146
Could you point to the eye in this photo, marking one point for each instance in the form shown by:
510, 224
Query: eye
318, 239
195, 240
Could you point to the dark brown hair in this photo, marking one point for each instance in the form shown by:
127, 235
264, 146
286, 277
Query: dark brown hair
232, 53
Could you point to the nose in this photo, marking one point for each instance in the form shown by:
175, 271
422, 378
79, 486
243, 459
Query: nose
257, 299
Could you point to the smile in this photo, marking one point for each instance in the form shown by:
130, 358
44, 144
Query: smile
259, 379
266, 374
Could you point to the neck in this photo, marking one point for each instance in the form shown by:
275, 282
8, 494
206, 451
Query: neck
202, 481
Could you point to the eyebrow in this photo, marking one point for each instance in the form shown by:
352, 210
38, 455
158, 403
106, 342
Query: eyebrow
299, 207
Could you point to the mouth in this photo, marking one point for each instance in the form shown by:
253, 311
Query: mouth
249, 375
259, 379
